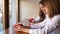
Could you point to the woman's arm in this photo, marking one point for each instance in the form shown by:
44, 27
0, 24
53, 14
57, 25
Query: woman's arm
47, 29
24, 29
37, 19
38, 25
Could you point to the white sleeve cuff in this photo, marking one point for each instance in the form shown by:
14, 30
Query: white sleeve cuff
35, 31
32, 31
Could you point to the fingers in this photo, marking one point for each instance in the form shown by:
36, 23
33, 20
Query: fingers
17, 26
33, 21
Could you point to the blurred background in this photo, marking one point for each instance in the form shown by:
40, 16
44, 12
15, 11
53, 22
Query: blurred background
29, 8
26, 9
1, 26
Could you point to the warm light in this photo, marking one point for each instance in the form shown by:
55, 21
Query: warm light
0, 15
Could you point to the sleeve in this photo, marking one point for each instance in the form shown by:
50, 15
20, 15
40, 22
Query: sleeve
48, 28
38, 25
37, 19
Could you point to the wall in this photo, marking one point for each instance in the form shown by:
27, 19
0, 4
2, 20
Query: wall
29, 8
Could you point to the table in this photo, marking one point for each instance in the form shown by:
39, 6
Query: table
14, 32
21, 33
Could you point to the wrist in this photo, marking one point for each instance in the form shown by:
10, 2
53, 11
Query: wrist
25, 30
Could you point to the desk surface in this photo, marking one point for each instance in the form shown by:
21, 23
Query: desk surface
14, 32
21, 33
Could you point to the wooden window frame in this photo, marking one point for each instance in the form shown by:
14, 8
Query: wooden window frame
6, 14
18, 10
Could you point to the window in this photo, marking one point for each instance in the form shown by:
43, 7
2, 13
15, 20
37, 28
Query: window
1, 25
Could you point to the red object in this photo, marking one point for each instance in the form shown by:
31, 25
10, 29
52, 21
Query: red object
30, 19
20, 24
17, 25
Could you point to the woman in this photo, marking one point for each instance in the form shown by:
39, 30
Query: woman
49, 19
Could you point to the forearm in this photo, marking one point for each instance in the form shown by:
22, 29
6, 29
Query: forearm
25, 30
28, 27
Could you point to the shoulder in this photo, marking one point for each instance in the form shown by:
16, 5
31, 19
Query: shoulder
37, 18
56, 18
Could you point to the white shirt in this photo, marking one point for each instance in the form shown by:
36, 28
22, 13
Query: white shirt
37, 19
48, 26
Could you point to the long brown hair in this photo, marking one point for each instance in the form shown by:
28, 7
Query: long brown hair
53, 8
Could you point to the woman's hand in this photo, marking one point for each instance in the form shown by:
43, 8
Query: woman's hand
34, 22
19, 27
